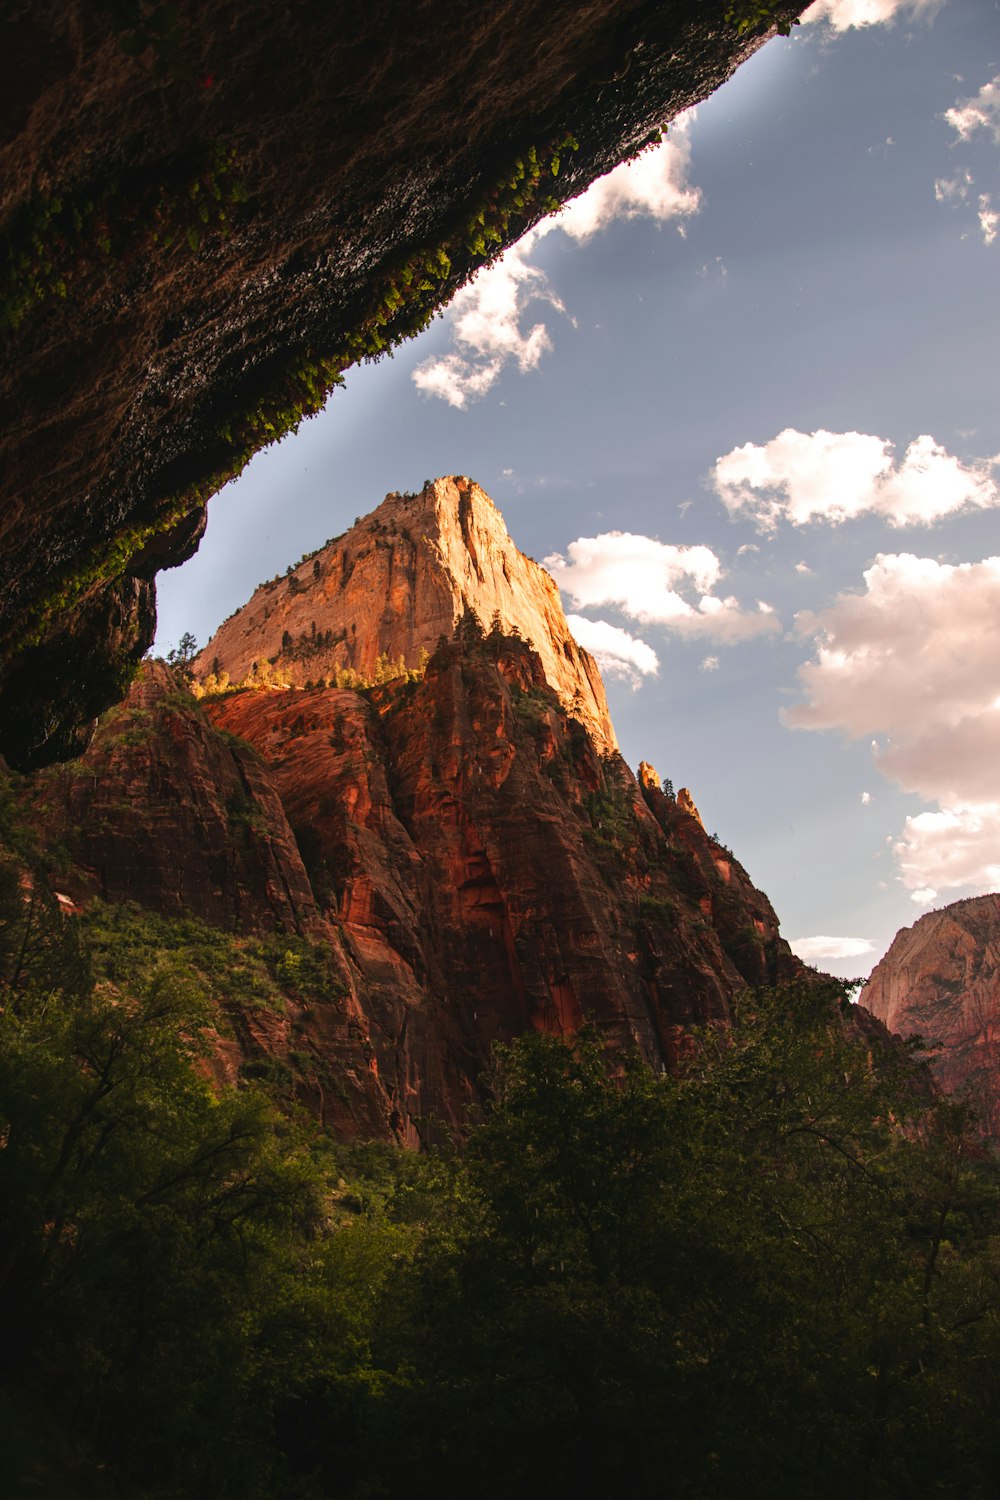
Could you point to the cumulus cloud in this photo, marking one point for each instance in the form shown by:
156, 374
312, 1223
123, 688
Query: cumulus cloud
617, 653
709, 664
655, 582
810, 948
486, 325
989, 219
489, 318
951, 850
915, 653
833, 476
912, 660
843, 14
981, 112
653, 186
866, 798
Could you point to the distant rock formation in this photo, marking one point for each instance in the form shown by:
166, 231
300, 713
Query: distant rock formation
394, 584
941, 979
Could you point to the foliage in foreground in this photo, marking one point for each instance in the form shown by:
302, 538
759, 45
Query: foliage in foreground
775, 1274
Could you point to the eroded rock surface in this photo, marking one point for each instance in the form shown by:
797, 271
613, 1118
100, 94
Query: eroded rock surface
941, 979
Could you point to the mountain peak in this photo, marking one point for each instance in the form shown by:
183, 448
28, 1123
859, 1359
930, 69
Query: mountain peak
397, 581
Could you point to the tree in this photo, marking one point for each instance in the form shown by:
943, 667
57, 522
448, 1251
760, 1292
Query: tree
183, 654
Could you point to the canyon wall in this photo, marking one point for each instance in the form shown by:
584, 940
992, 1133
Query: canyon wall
458, 847
940, 980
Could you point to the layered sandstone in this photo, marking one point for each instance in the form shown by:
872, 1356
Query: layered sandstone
471, 861
394, 584
940, 980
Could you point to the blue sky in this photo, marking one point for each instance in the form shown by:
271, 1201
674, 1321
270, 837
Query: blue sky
745, 403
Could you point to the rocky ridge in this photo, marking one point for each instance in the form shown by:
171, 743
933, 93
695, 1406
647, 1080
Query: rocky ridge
940, 980
394, 584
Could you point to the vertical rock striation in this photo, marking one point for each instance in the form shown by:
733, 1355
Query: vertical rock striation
394, 584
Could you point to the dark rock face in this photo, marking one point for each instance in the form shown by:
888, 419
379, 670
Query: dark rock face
164, 811
198, 238
941, 980
472, 862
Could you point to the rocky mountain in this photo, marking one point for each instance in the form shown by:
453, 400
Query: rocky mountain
393, 585
453, 855
940, 979
210, 211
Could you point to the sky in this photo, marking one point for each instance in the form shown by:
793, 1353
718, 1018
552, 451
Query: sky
741, 399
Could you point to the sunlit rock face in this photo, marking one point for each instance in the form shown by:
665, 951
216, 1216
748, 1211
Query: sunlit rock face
394, 584
207, 212
941, 980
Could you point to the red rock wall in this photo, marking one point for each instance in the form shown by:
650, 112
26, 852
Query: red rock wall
941, 980
471, 861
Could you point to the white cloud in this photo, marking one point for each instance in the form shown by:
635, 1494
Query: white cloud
915, 653
866, 798
803, 567
654, 186
981, 112
810, 948
486, 317
989, 219
617, 653
654, 582
710, 664
913, 660
953, 189
955, 849
843, 14
486, 320
834, 476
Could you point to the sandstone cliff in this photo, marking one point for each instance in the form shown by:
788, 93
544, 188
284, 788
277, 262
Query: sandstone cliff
209, 211
459, 847
398, 580
941, 980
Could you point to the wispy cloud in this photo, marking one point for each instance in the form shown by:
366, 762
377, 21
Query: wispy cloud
912, 660
488, 318
810, 948
954, 189
833, 476
971, 117
656, 583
